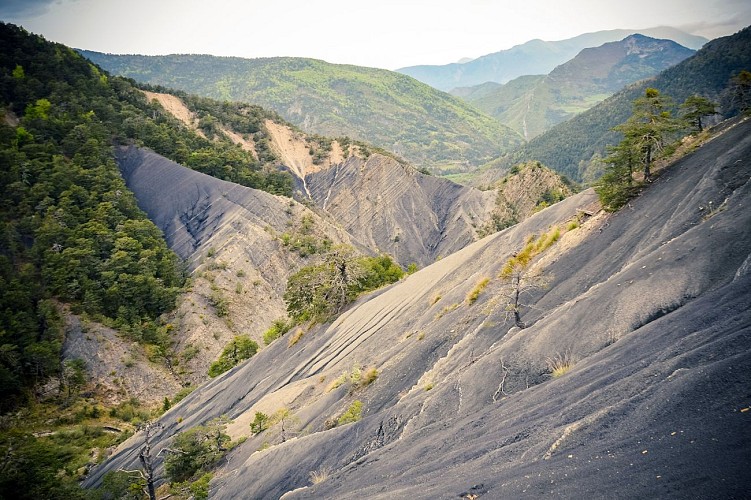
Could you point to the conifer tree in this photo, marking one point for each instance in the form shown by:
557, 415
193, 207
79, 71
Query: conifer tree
695, 107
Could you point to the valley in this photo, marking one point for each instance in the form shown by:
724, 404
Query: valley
274, 295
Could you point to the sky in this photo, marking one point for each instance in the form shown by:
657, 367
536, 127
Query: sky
386, 34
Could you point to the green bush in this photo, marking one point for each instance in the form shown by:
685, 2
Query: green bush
238, 349
278, 328
318, 292
352, 414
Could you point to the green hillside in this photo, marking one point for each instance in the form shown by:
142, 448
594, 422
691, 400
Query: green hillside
425, 126
569, 146
533, 104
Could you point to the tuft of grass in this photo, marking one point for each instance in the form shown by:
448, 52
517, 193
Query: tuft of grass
435, 299
294, 339
428, 386
446, 309
368, 377
477, 290
572, 225
560, 364
337, 382
320, 475
533, 247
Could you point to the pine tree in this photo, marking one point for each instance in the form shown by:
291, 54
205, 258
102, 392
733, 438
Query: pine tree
695, 107
648, 127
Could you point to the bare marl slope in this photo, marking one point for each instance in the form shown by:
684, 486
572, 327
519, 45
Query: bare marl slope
229, 235
392, 207
653, 305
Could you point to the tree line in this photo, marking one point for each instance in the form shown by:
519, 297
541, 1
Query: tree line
650, 130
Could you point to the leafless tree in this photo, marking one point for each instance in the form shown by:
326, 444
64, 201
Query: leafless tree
144, 456
520, 280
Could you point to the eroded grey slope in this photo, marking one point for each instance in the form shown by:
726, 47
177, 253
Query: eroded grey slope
652, 304
399, 211
230, 236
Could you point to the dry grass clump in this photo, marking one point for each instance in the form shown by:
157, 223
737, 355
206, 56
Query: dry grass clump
320, 475
477, 290
560, 364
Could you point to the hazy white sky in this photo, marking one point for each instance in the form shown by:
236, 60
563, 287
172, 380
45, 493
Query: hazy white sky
380, 33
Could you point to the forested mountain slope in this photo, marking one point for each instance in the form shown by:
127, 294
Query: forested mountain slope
569, 146
536, 57
575, 86
628, 378
427, 127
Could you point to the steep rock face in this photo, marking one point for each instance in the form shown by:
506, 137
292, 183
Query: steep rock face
117, 369
649, 308
230, 237
395, 209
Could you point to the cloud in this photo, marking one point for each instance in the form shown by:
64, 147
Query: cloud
24, 9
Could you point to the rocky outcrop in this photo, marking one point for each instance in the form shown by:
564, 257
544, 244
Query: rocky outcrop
648, 309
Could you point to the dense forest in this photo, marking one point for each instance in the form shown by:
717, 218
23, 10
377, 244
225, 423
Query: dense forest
71, 230
72, 236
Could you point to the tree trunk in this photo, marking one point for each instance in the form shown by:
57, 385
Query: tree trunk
145, 457
517, 316
648, 164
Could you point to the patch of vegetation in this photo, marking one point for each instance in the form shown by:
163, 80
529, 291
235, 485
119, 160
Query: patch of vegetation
357, 378
318, 292
477, 290
238, 349
260, 423
294, 339
560, 364
196, 451
429, 127
278, 328
352, 414
320, 475
446, 310
302, 240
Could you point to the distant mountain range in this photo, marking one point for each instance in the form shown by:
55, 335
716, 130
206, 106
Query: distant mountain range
425, 126
532, 104
569, 146
536, 57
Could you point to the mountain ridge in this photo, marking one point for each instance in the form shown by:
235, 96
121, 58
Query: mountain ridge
384, 108
633, 308
532, 105
569, 147
531, 58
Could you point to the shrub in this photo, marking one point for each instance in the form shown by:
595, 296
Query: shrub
278, 328
260, 423
240, 348
352, 414
196, 450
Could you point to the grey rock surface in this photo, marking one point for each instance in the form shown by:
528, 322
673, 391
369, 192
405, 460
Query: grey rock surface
648, 306
397, 210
